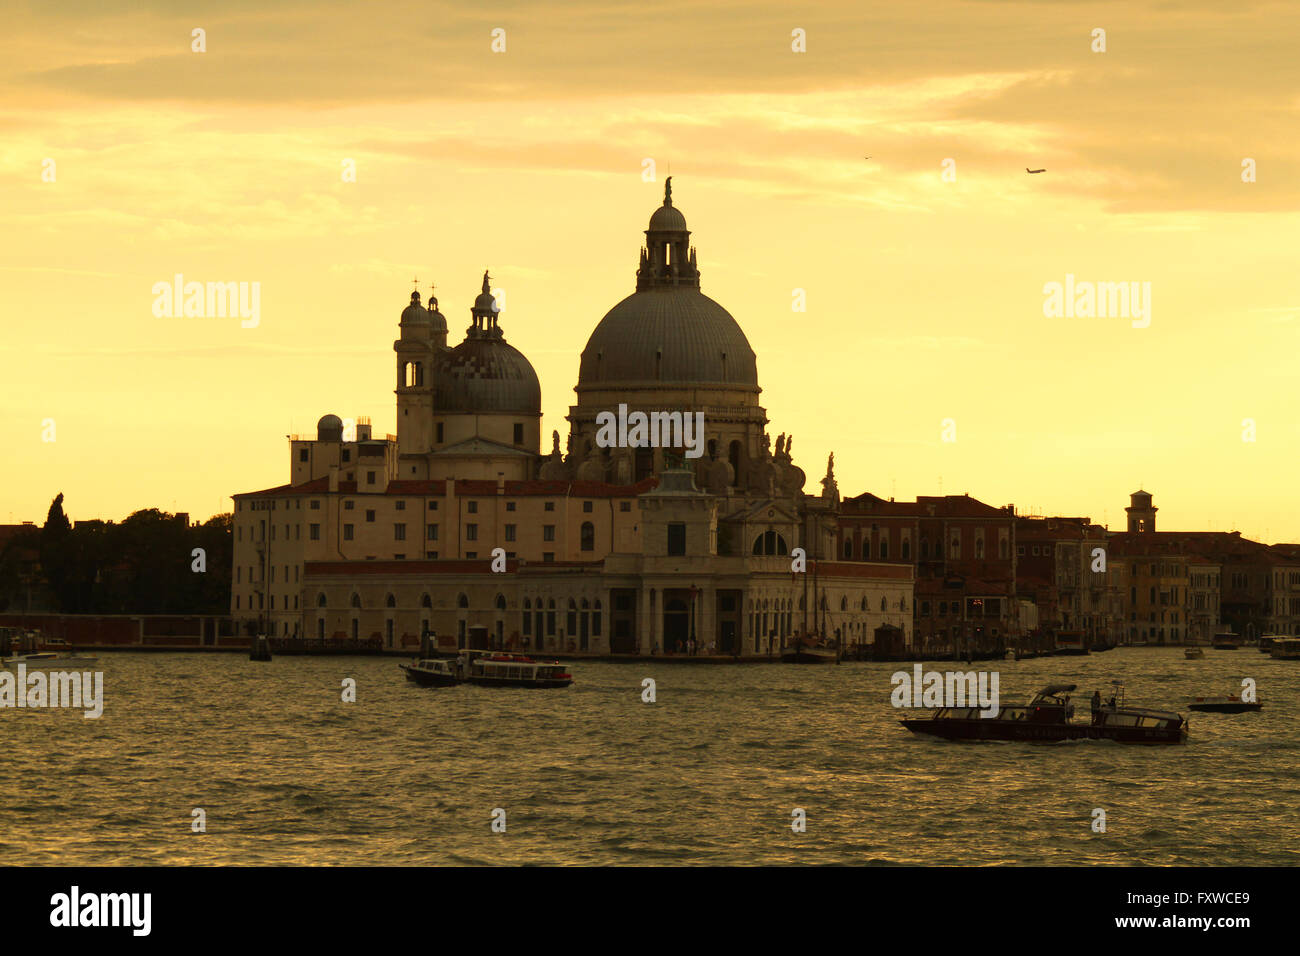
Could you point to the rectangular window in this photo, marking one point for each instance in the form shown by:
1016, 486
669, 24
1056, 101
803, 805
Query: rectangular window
347, 532
370, 477
347, 454
625, 506
349, 505
438, 436
302, 454
510, 506
314, 532
549, 506
548, 532
519, 434
676, 538
586, 507
471, 532
370, 515
399, 532
472, 507
315, 505
431, 532
510, 532
401, 506
548, 556
433, 506
432, 555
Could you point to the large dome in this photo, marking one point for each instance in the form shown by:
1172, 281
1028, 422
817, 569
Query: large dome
487, 376
668, 334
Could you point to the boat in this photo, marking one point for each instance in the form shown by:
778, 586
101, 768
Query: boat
433, 672
494, 669
1224, 704
36, 654
1266, 642
259, 648
1193, 653
801, 653
1070, 643
1286, 648
1225, 641
1048, 718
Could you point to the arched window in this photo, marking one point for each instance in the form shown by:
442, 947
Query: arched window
864, 602
769, 542
595, 620
866, 549
844, 604
848, 549
550, 618
528, 604
462, 601
907, 549
925, 549
884, 548
390, 601
587, 537
736, 456
356, 600
320, 600
501, 602
884, 604
979, 548
426, 601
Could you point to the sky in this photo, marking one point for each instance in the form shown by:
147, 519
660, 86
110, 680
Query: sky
126, 157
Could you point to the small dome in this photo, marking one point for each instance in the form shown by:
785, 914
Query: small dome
414, 313
437, 320
329, 428
485, 375
667, 218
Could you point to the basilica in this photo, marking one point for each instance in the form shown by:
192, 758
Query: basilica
464, 526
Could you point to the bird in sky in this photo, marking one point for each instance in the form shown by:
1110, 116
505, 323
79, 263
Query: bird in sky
1031, 171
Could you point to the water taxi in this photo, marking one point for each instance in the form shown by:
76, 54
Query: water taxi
1193, 653
1266, 642
801, 653
488, 669
27, 647
1286, 648
511, 670
1226, 641
1223, 704
1049, 718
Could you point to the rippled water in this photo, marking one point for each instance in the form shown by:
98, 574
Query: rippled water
709, 774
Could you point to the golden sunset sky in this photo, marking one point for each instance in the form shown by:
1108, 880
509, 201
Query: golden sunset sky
924, 297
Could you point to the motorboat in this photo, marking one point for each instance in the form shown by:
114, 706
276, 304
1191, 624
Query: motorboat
1049, 718
433, 672
1193, 653
1226, 641
1266, 642
27, 647
1224, 704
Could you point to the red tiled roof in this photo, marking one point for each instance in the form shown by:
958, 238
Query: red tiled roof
947, 506
860, 569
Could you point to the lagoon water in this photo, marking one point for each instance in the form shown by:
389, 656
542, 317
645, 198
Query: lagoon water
287, 773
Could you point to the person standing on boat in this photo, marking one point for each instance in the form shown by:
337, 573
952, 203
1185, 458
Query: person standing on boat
1096, 707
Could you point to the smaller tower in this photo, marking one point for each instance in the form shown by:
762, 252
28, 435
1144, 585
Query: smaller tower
1141, 513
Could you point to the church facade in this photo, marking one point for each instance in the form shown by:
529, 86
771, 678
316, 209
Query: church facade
461, 525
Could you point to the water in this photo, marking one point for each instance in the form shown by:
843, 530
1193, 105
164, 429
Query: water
289, 774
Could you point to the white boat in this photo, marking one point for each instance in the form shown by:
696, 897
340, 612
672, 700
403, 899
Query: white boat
496, 669
40, 660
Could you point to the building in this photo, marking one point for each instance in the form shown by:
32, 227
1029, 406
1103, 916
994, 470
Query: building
962, 554
459, 524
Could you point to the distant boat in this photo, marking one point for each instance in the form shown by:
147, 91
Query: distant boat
1286, 648
1193, 653
1225, 641
1070, 643
808, 654
51, 659
1266, 642
1226, 704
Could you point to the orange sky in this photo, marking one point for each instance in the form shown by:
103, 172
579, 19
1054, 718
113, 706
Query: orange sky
925, 297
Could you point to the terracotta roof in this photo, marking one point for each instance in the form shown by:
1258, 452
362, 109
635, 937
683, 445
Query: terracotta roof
925, 506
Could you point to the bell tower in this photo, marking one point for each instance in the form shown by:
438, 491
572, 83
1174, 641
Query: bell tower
423, 336
1141, 513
